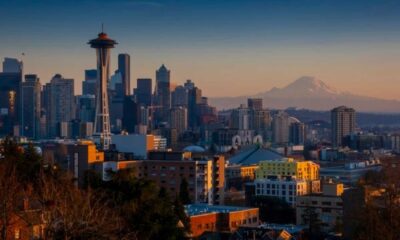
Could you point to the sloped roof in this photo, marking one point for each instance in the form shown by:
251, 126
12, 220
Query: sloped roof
253, 155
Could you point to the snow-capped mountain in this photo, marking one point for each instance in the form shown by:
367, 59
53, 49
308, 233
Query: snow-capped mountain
311, 93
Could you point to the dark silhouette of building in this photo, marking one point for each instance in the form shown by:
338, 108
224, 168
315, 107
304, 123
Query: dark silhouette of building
124, 62
194, 98
89, 84
255, 103
10, 97
143, 91
31, 107
130, 114
163, 93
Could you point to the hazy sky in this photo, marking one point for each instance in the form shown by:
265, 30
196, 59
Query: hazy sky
226, 47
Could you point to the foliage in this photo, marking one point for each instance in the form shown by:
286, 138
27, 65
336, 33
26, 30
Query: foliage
274, 210
124, 208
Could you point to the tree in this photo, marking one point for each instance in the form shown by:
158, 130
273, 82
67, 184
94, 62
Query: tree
184, 195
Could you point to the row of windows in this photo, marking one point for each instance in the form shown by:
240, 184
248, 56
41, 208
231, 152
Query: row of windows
277, 186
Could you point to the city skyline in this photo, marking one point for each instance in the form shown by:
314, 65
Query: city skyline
264, 44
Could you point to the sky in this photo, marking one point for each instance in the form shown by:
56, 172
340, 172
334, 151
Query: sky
228, 48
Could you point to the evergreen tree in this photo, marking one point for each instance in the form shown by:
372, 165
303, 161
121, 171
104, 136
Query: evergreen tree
184, 195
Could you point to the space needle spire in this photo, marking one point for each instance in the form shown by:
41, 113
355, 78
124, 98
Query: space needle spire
102, 132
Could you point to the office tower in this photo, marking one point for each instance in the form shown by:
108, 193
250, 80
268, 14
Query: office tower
86, 108
124, 62
143, 91
130, 114
31, 107
12, 65
115, 87
178, 119
297, 132
10, 107
255, 103
179, 97
189, 84
260, 120
194, 98
102, 131
280, 128
240, 118
89, 84
163, 92
343, 120
59, 97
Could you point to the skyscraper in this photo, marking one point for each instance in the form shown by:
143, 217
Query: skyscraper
297, 132
143, 91
10, 97
89, 84
102, 132
194, 98
163, 92
255, 103
280, 128
179, 97
31, 107
178, 119
240, 118
124, 61
130, 114
343, 120
12, 65
59, 94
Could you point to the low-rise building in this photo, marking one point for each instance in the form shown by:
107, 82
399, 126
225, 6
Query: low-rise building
205, 175
74, 156
208, 218
328, 205
305, 170
285, 188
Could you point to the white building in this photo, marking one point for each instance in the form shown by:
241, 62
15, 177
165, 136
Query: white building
286, 189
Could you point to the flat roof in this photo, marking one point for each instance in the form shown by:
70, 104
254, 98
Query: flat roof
198, 209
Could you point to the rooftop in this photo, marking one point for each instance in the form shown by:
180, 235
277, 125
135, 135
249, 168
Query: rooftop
253, 155
198, 209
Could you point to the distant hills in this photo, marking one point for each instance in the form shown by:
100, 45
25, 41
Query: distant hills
311, 93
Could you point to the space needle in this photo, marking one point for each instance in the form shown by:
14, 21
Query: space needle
102, 132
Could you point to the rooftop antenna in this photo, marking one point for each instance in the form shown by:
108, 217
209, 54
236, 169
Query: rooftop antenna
102, 27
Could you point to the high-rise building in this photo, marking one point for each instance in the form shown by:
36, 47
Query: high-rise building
10, 97
343, 120
240, 118
89, 84
297, 132
102, 131
194, 98
178, 119
280, 128
163, 92
12, 65
143, 91
180, 97
31, 107
189, 84
59, 94
124, 62
130, 114
255, 103
85, 108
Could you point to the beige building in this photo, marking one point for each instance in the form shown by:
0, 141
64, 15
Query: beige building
343, 120
328, 205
